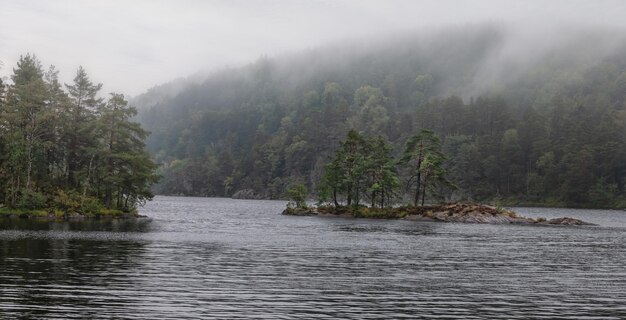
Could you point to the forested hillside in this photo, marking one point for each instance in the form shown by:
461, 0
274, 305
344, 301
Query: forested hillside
522, 119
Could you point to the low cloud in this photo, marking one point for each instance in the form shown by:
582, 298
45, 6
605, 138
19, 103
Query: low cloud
131, 46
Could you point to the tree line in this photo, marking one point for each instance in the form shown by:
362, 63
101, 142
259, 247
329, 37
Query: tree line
64, 147
555, 134
570, 152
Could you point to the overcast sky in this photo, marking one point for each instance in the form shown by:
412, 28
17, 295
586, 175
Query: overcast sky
131, 46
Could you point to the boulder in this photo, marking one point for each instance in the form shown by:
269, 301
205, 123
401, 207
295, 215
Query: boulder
567, 221
475, 213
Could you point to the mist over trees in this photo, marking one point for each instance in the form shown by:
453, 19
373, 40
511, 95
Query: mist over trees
527, 122
68, 149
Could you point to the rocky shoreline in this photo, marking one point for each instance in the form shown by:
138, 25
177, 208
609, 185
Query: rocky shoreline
454, 212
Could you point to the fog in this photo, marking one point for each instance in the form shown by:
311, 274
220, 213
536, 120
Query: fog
131, 46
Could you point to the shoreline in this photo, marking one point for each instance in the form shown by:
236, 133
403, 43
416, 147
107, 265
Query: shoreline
56, 215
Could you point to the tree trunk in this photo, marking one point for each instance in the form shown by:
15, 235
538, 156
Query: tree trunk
29, 167
419, 179
108, 187
86, 184
417, 189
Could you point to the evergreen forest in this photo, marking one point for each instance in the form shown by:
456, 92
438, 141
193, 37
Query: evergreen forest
64, 150
535, 123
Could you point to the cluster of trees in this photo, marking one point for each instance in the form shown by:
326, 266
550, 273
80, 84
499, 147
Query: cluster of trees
553, 133
364, 168
69, 149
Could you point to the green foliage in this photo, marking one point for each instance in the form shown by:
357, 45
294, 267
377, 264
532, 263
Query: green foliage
67, 202
425, 162
4, 211
297, 196
379, 213
31, 200
602, 193
73, 202
69, 151
90, 206
362, 168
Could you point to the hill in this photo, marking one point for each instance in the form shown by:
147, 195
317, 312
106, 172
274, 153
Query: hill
524, 116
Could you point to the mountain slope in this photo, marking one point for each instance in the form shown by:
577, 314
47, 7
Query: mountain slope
534, 117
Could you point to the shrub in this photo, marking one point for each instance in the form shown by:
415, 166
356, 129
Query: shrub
90, 206
297, 196
66, 202
31, 200
71, 202
110, 212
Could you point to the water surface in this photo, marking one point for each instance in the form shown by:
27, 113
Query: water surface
198, 258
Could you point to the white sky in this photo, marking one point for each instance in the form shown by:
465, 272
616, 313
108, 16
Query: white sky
132, 45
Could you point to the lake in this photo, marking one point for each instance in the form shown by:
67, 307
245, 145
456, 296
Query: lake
202, 258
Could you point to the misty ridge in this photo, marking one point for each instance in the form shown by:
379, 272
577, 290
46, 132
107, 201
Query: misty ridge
515, 106
469, 60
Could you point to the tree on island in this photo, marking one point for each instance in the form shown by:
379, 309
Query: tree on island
82, 113
64, 152
424, 159
381, 173
297, 196
362, 168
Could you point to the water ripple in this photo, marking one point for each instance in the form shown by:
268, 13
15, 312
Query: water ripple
227, 259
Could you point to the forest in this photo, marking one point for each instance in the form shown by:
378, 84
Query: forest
68, 151
533, 123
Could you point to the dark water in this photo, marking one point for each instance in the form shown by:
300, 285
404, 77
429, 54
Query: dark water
220, 258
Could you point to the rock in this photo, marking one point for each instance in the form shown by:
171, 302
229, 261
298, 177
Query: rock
567, 221
456, 212
474, 213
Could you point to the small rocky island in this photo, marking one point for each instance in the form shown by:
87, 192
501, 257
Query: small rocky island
364, 170
453, 212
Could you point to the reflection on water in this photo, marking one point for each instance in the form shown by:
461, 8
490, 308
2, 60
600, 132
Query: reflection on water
221, 258
106, 225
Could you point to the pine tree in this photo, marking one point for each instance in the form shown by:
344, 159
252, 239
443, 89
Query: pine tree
361, 166
381, 172
424, 159
25, 116
84, 102
125, 170
59, 109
